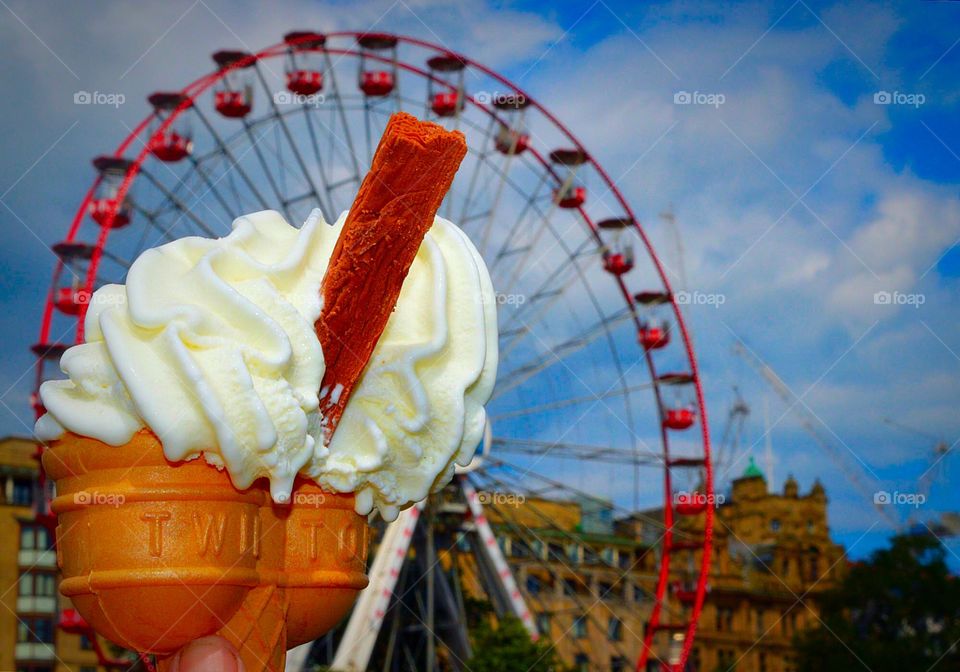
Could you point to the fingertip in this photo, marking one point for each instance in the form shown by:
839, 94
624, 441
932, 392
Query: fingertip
208, 654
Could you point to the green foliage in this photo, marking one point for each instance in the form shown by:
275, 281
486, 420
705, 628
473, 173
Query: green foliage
898, 611
506, 647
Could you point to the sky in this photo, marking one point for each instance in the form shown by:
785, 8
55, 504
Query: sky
809, 151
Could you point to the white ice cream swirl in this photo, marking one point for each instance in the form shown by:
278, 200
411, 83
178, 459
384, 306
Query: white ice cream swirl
211, 345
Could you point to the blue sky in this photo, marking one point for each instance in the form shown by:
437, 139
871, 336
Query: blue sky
798, 198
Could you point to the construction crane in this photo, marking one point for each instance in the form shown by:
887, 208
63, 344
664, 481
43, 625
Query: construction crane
810, 424
681, 272
731, 439
940, 450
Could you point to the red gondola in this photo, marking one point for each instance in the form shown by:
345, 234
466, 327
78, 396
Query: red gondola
104, 208
233, 94
175, 142
377, 82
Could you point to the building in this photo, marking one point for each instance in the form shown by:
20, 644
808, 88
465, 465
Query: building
30, 639
592, 589
589, 586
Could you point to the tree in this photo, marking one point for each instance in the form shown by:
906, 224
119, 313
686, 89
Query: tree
507, 647
898, 611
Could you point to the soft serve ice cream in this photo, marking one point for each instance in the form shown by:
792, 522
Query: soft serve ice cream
211, 345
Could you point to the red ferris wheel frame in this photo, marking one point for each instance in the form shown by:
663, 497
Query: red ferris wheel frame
45, 349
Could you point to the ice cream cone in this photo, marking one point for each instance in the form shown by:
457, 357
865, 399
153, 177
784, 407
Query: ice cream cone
155, 554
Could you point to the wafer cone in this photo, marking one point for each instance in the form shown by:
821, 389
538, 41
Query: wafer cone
155, 554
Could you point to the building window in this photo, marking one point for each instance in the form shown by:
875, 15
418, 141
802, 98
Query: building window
775, 524
615, 629
35, 630
726, 660
605, 590
520, 549
785, 567
34, 537
85, 643
581, 663
813, 565
789, 622
639, 594
22, 492
534, 584
762, 662
580, 627
570, 587
609, 555
810, 526
555, 552
724, 619
573, 553
758, 616
618, 664
37, 584
543, 624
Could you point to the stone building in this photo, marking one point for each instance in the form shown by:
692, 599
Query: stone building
592, 590
30, 639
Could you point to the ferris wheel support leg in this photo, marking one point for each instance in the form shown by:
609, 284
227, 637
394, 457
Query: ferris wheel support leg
360, 636
491, 550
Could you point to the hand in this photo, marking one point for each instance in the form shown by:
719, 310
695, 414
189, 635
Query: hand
207, 654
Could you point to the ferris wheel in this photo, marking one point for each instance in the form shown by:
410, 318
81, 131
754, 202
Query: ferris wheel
598, 389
